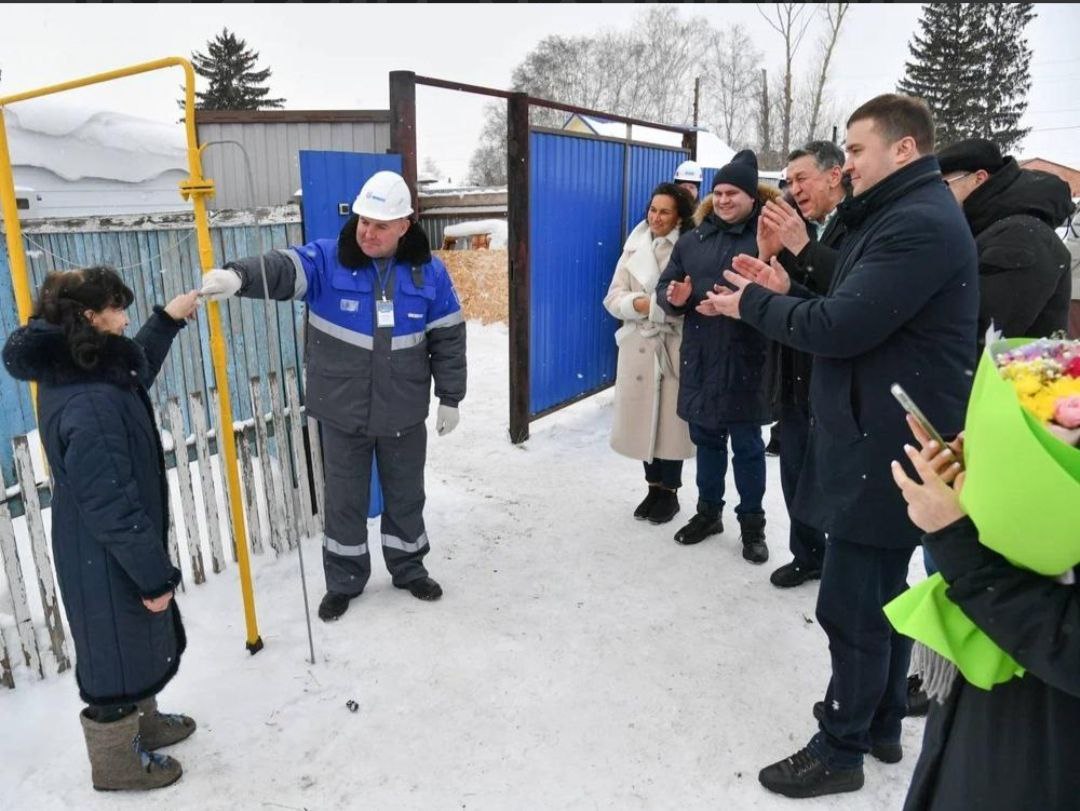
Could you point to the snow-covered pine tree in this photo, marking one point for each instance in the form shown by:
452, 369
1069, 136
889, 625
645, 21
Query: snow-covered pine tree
946, 68
1007, 72
234, 83
970, 62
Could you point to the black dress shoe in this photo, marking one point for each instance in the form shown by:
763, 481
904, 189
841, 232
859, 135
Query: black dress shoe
805, 775
793, 574
423, 589
885, 752
333, 605
642, 511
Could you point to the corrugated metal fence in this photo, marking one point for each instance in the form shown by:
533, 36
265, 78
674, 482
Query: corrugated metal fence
585, 195
158, 258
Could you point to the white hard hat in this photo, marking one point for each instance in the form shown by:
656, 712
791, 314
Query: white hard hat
689, 172
384, 197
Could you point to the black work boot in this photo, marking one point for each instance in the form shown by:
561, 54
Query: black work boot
423, 588
793, 574
665, 507
333, 605
701, 526
753, 537
804, 774
642, 511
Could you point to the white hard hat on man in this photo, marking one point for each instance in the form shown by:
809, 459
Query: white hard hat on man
384, 197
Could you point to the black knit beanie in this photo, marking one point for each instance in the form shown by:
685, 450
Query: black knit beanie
741, 172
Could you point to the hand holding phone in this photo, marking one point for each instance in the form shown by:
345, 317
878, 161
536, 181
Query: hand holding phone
912, 409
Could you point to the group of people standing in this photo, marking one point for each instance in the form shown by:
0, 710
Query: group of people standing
885, 266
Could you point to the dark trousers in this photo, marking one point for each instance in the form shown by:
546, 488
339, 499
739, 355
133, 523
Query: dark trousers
807, 544
667, 472
747, 457
867, 695
107, 713
347, 467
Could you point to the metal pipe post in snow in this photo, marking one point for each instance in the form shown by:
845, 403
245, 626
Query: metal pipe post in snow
196, 188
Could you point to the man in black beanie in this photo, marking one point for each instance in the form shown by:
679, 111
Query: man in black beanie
1024, 280
723, 391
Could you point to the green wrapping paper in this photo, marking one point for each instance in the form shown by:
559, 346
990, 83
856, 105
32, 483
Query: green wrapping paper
1022, 490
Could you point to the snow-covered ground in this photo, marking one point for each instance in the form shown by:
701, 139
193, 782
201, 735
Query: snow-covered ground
579, 658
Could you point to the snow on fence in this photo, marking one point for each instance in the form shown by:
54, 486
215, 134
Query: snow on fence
276, 474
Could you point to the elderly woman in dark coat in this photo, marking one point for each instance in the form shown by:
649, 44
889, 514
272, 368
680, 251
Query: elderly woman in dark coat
110, 512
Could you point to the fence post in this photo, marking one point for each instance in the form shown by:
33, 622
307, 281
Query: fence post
517, 179
273, 497
281, 439
175, 422
306, 518
403, 127
38, 547
206, 479
9, 552
251, 495
215, 407
315, 441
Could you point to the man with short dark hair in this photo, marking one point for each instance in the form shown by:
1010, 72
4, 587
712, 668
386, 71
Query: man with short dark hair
815, 180
1024, 279
901, 308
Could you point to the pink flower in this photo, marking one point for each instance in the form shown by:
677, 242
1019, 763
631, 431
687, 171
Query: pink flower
1067, 412
1072, 368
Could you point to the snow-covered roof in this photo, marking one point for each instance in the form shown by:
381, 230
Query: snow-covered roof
711, 149
497, 229
76, 143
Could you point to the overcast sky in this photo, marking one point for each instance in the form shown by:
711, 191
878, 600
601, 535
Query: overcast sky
338, 56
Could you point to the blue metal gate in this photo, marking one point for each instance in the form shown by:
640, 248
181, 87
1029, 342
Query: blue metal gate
585, 195
330, 182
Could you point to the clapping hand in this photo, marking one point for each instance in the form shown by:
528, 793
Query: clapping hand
678, 293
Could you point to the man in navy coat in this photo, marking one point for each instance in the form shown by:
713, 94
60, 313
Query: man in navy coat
901, 308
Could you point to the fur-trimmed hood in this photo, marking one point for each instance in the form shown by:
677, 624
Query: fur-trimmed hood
765, 193
39, 352
413, 249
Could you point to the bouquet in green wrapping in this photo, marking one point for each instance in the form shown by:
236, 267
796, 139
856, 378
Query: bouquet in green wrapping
1022, 491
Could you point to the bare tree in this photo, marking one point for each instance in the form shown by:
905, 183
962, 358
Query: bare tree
732, 83
790, 21
834, 14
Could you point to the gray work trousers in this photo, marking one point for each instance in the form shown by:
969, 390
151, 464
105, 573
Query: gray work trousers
347, 469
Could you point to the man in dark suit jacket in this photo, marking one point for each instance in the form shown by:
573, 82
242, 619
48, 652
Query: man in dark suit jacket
901, 308
806, 242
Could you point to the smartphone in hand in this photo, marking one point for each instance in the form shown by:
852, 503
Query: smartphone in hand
912, 409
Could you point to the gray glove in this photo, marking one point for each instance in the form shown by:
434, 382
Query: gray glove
446, 420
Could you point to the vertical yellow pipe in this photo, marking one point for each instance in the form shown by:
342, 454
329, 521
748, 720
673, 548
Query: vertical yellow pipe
197, 189
19, 276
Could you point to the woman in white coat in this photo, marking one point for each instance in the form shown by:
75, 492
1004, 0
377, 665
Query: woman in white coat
647, 377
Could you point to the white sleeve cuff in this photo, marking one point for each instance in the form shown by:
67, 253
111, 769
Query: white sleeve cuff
626, 307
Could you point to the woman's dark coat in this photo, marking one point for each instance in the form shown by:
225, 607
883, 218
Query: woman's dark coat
109, 505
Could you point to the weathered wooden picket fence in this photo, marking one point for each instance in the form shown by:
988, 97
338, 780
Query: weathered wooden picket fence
280, 470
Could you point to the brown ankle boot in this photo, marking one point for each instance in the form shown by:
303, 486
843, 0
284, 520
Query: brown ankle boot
159, 729
118, 761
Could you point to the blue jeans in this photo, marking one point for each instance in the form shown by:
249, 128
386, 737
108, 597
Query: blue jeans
747, 457
867, 695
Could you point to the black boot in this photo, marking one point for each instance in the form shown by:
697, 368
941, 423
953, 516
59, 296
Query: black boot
753, 538
642, 511
885, 752
793, 574
423, 589
804, 774
333, 605
918, 703
701, 526
665, 507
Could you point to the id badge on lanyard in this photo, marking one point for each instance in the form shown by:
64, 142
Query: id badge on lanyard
384, 313
384, 310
